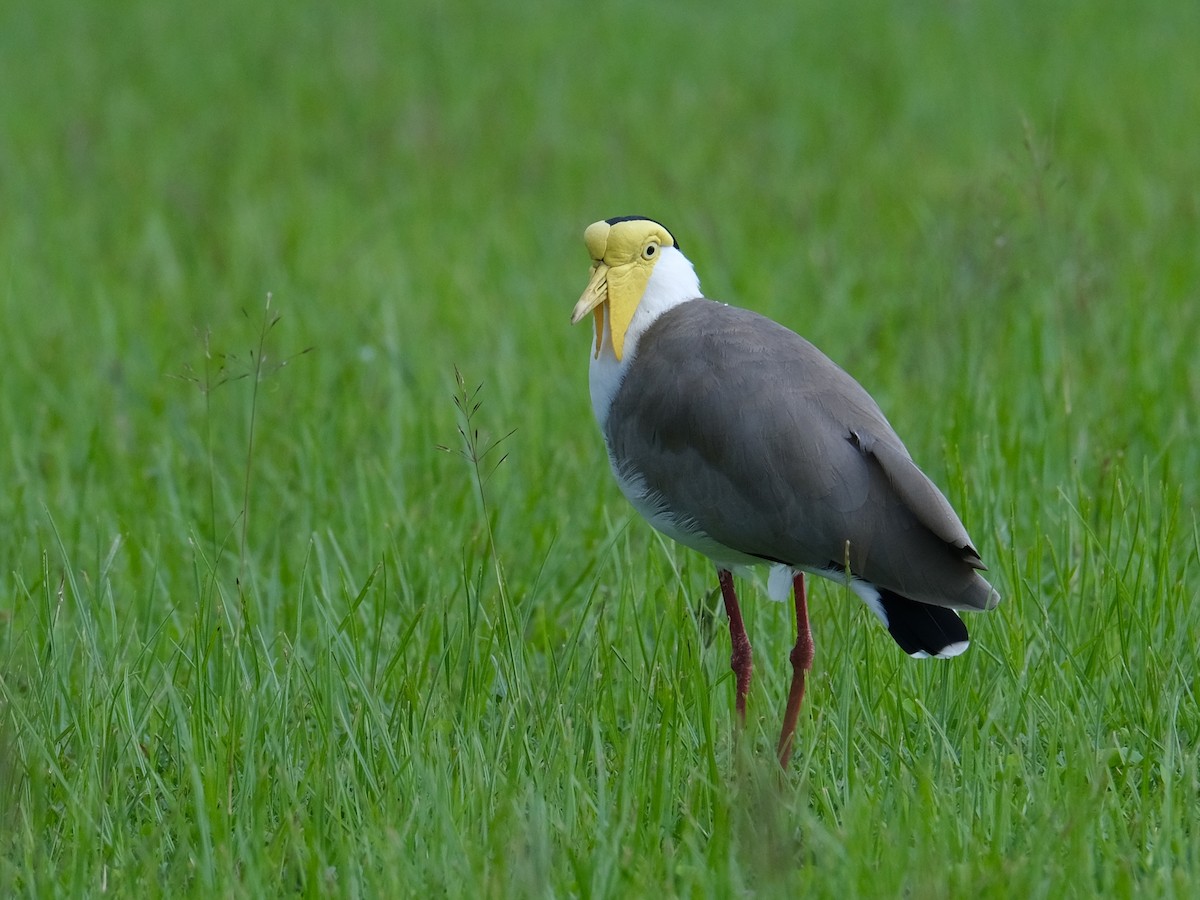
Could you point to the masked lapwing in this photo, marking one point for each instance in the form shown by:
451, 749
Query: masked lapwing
738, 438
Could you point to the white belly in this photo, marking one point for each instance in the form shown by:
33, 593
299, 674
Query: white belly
679, 528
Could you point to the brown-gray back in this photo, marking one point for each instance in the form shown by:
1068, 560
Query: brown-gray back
746, 429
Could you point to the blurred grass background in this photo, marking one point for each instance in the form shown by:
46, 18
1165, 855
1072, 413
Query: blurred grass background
259, 635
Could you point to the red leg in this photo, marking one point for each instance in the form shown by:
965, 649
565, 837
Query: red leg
801, 657
740, 660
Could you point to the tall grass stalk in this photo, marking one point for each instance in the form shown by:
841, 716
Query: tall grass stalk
263, 639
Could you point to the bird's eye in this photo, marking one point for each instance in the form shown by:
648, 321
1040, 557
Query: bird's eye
649, 251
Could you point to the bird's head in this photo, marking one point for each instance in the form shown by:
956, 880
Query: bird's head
625, 252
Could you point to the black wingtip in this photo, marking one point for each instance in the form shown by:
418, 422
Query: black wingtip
921, 629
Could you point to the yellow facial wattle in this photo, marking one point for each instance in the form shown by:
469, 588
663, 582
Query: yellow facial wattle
623, 256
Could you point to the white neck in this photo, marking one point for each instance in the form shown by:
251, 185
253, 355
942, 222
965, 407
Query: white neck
672, 282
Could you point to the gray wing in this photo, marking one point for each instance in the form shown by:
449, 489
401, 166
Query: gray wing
747, 430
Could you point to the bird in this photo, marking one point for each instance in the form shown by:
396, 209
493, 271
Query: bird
736, 437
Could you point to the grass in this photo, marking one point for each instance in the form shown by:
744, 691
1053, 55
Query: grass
259, 636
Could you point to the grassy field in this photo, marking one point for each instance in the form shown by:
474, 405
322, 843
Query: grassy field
261, 634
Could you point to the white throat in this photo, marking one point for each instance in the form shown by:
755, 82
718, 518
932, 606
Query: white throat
672, 282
